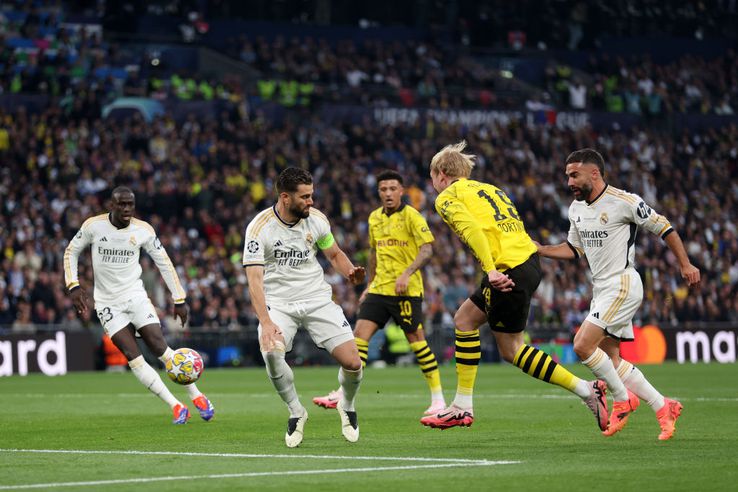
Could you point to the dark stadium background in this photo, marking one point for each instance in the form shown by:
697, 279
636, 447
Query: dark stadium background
198, 106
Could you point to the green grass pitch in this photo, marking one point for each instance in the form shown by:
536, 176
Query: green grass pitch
101, 431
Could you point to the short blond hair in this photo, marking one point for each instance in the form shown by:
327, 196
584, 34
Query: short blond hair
453, 161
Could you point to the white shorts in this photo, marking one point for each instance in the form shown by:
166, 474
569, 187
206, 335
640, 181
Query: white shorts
615, 302
324, 321
137, 311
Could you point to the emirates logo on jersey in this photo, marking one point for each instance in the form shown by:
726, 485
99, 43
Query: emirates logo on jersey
604, 219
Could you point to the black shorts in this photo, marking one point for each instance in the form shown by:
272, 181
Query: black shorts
507, 312
405, 310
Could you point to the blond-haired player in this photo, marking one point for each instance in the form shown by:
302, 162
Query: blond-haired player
486, 220
121, 302
603, 222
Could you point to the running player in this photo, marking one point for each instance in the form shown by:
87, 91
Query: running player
603, 221
121, 302
486, 220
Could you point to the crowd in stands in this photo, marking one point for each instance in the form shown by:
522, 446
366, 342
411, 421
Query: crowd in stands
637, 85
41, 53
376, 72
199, 182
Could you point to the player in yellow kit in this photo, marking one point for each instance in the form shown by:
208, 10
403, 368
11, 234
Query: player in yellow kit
400, 243
486, 220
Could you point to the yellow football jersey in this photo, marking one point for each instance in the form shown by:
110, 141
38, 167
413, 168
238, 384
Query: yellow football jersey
487, 221
397, 238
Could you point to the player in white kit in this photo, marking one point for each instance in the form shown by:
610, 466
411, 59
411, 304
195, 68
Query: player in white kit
603, 221
121, 302
288, 290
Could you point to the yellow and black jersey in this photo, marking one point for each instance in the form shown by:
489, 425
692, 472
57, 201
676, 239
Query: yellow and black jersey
487, 221
396, 239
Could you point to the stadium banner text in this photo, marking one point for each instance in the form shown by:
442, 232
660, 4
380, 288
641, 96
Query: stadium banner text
652, 345
51, 353
569, 120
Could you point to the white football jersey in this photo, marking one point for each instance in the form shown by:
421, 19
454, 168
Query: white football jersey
605, 230
288, 254
115, 259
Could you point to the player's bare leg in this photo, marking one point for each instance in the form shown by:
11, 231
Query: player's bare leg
126, 343
349, 377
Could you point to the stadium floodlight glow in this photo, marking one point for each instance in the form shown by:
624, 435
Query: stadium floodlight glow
506, 73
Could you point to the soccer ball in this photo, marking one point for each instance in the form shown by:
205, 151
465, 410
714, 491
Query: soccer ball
184, 366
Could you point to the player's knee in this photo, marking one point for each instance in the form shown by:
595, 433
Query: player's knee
354, 364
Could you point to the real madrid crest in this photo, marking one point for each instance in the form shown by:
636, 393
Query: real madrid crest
132, 241
309, 238
603, 218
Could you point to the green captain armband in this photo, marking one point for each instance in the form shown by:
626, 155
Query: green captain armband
326, 241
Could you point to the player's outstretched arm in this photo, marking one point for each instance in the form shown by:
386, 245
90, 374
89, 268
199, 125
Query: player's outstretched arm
562, 251
342, 264
690, 273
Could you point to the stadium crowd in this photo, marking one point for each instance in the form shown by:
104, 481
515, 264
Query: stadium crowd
200, 182
42, 54
637, 85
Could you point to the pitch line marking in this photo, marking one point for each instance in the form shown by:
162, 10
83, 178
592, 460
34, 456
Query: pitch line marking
438, 463
253, 455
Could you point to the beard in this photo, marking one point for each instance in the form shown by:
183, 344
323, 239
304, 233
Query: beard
302, 213
582, 192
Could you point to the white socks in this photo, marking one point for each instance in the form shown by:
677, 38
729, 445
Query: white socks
601, 366
636, 382
151, 380
350, 381
283, 380
583, 389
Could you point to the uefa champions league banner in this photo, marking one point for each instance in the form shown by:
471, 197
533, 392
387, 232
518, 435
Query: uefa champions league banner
467, 117
53, 353
565, 120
